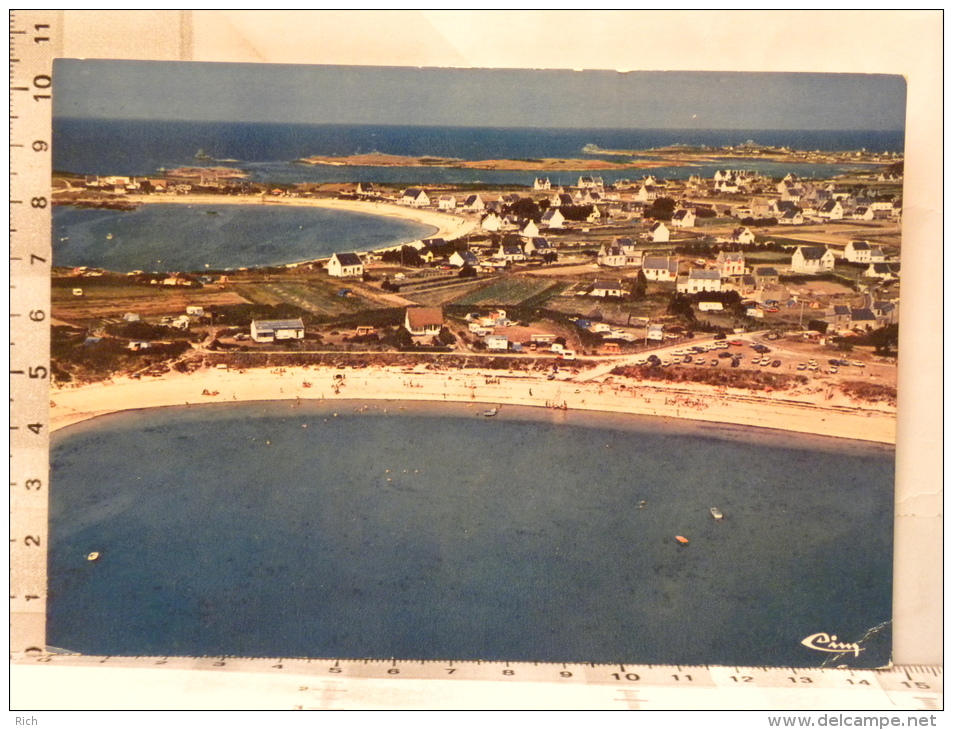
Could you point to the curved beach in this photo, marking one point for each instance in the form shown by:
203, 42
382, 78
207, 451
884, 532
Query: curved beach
447, 226
800, 412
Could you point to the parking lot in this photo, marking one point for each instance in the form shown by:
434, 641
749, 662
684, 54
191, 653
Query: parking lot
751, 353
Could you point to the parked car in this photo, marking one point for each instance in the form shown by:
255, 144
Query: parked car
776, 364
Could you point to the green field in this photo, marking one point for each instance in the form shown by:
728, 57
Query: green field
512, 292
316, 297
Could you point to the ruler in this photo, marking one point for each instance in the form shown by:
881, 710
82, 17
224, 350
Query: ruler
39, 675
31, 98
325, 684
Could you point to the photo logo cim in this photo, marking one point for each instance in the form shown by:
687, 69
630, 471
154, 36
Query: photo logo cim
829, 643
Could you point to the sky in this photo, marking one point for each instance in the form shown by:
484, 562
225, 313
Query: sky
475, 97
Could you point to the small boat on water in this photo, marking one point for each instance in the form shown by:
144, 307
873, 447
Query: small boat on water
491, 412
681, 540
716, 513
92, 557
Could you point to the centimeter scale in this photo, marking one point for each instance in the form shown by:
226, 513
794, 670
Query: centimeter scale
39, 674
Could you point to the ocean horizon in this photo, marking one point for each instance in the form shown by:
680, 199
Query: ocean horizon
268, 150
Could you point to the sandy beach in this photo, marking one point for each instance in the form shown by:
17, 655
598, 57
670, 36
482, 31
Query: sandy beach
448, 226
802, 412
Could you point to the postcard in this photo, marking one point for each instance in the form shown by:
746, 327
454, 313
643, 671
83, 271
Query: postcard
457, 364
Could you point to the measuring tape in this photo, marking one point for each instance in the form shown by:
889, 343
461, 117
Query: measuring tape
325, 684
294, 683
32, 36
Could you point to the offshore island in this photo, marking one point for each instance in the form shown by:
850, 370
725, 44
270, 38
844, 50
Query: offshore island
736, 298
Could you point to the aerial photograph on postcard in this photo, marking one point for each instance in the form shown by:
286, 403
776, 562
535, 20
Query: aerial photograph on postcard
463, 364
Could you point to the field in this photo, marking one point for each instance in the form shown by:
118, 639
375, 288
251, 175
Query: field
318, 297
513, 292
106, 299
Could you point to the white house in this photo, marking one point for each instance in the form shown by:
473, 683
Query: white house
831, 210
607, 288
683, 219
659, 232
699, 280
647, 193
529, 230
857, 252
542, 183
460, 259
536, 245
345, 264
553, 218
863, 213
492, 222
619, 254
812, 260
473, 202
195, 311
446, 202
660, 268
269, 330
415, 197
421, 321
791, 218
741, 235
590, 183
510, 253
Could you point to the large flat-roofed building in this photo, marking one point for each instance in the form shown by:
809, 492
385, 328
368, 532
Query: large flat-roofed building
269, 330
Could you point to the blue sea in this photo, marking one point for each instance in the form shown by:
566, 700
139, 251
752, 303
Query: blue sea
178, 237
431, 532
268, 151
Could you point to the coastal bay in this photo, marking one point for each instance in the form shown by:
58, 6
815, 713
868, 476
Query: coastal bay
426, 530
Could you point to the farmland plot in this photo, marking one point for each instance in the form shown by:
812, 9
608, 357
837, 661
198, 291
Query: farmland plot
511, 292
311, 297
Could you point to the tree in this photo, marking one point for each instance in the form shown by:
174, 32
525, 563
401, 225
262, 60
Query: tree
525, 208
641, 286
446, 337
681, 306
467, 272
404, 338
661, 209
